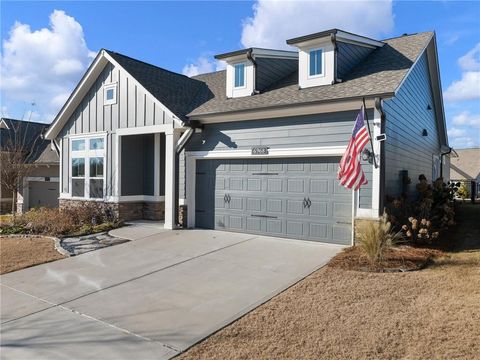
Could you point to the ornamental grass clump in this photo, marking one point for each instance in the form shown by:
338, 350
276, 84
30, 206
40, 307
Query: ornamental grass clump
376, 238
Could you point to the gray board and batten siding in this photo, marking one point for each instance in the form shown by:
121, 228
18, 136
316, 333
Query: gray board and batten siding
407, 114
134, 108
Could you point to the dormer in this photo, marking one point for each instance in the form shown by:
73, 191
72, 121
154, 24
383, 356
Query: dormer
252, 70
326, 57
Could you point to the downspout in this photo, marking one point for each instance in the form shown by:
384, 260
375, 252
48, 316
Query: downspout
441, 160
378, 106
250, 57
181, 143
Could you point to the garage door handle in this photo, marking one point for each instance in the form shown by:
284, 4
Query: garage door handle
265, 216
309, 203
227, 198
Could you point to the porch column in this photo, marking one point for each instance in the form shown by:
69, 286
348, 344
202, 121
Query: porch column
376, 178
170, 144
156, 166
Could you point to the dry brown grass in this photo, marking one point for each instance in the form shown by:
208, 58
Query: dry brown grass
343, 314
20, 252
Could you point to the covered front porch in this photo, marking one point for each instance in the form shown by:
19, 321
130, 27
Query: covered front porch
145, 178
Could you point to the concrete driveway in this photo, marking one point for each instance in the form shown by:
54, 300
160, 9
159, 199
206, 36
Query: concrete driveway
150, 298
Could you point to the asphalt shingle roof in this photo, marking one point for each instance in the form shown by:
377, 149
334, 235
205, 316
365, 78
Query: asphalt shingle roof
177, 92
29, 134
380, 73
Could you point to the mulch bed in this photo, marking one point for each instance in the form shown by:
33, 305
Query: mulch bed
398, 259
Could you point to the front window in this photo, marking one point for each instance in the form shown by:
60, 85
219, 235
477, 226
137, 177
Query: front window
239, 75
87, 167
316, 62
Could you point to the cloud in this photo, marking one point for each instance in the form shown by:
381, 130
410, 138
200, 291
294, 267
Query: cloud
43, 66
467, 88
471, 60
202, 65
465, 118
456, 132
273, 22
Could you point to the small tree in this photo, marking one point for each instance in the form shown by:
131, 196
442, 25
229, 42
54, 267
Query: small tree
16, 153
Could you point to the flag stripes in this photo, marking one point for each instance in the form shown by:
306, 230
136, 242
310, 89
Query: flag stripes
350, 172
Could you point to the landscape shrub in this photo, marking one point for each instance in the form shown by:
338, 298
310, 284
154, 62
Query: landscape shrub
376, 238
80, 219
432, 210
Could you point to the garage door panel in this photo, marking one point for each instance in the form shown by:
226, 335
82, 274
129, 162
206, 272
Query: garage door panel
254, 204
266, 196
295, 207
319, 208
43, 194
295, 228
296, 185
343, 210
235, 184
275, 226
318, 231
319, 186
254, 184
274, 205
274, 185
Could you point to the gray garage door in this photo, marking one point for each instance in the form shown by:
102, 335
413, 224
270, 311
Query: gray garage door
294, 198
43, 194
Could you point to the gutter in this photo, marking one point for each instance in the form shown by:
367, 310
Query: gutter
250, 57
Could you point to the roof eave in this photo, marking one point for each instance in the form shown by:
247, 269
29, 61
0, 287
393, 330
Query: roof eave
200, 116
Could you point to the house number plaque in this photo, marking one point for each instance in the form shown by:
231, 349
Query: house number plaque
260, 150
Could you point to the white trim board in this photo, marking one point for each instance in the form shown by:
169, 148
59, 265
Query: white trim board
192, 156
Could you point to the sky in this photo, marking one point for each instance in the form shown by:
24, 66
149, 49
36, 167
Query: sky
48, 45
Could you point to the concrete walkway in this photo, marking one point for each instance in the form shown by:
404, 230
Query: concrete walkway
150, 298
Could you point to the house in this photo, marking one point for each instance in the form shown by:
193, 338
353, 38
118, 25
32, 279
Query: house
41, 185
465, 167
255, 148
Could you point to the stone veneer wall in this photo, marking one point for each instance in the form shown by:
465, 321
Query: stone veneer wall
138, 210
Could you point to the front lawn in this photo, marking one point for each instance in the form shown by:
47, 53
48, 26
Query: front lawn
20, 252
344, 314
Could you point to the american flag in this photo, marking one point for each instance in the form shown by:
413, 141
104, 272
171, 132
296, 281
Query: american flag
350, 172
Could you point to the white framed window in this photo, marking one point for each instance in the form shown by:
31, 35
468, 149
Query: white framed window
239, 75
110, 94
315, 63
87, 165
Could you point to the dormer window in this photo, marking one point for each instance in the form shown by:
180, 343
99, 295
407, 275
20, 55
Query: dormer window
316, 62
239, 75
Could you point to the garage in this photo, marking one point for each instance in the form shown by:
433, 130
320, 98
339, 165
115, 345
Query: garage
43, 194
293, 198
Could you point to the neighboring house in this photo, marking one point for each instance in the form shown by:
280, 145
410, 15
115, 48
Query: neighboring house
254, 148
41, 186
466, 166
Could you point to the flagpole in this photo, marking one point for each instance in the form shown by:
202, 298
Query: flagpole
369, 134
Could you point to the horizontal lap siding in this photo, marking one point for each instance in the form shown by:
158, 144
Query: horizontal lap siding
134, 108
333, 129
406, 117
